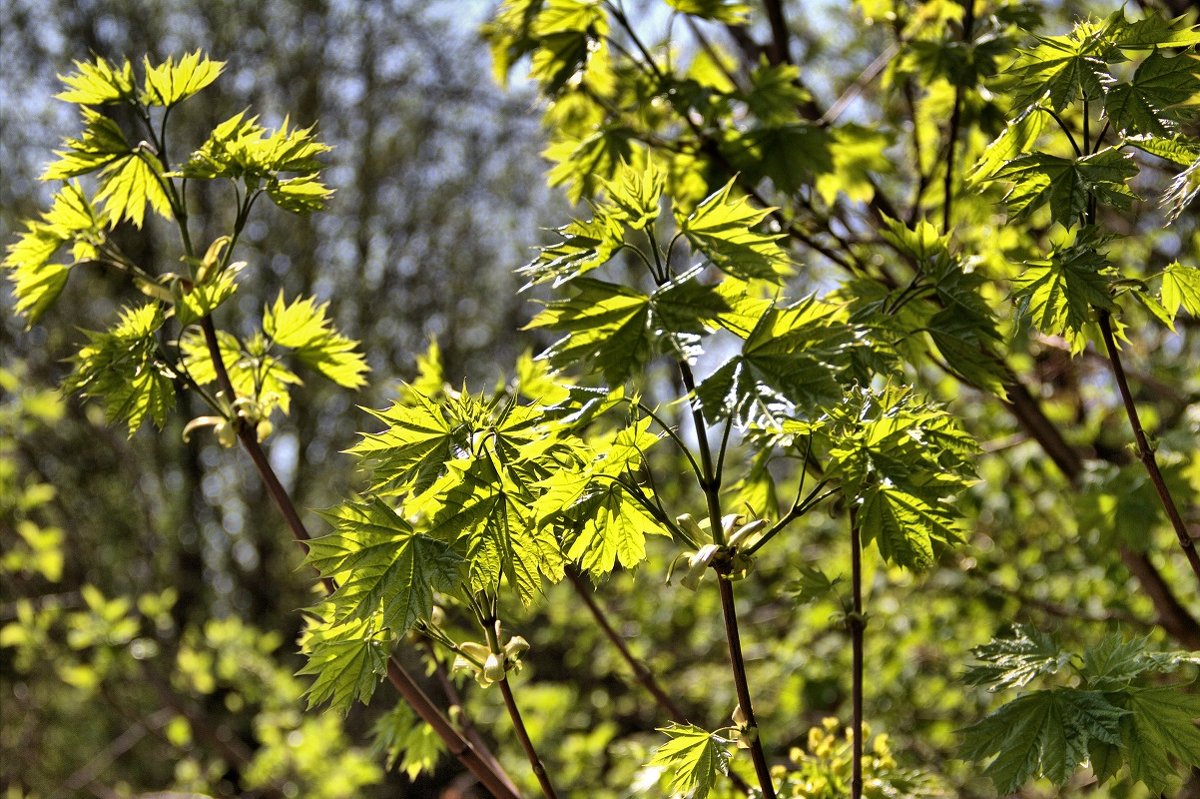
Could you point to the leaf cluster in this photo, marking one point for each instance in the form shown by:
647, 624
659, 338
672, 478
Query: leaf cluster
1105, 714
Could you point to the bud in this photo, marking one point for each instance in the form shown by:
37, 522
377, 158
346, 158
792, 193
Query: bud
493, 670
697, 564
226, 434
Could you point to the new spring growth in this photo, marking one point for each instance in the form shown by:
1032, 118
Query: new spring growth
737, 539
489, 667
744, 734
244, 411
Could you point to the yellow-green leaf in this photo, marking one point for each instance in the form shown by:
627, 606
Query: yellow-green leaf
168, 82
97, 82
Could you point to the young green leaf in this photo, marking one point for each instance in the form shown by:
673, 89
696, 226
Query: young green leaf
1113, 663
721, 228
583, 162
605, 325
634, 195
420, 436
168, 83
100, 144
300, 195
407, 739
1019, 137
1058, 294
254, 372
241, 148
795, 357
1067, 184
692, 758
612, 529
205, 298
1161, 723
122, 369
36, 282
1144, 105
486, 514
1181, 289
129, 184
1064, 68
905, 525
1015, 660
98, 82
584, 246
347, 660
903, 460
302, 327
569, 34
1152, 31
385, 569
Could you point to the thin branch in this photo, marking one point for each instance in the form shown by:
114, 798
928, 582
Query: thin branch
641, 672
857, 622
968, 25
797, 510
674, 435
712, 493
1173, 617
1065, 129
531, 754
742, 686
779, 51
490, 775
1145, 451
90, 771
865, 79
450, 691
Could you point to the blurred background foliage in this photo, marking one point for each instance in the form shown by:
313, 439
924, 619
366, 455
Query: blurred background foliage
148, 592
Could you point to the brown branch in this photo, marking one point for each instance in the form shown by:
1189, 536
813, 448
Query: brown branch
641, 672
1172, 616
968, 25
535, 762
712, 494
857, 623
1145, 451
779, 52
455, 699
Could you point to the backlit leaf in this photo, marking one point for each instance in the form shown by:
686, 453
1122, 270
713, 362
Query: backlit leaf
383, 567
1181, 289
692, 759
721, 228
348, 661
97, 82
168, 83
122, 369
1144, 104
1067, 184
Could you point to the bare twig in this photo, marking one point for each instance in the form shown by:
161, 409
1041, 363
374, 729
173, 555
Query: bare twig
968, 25
535, 762
857, 623
1145, 451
